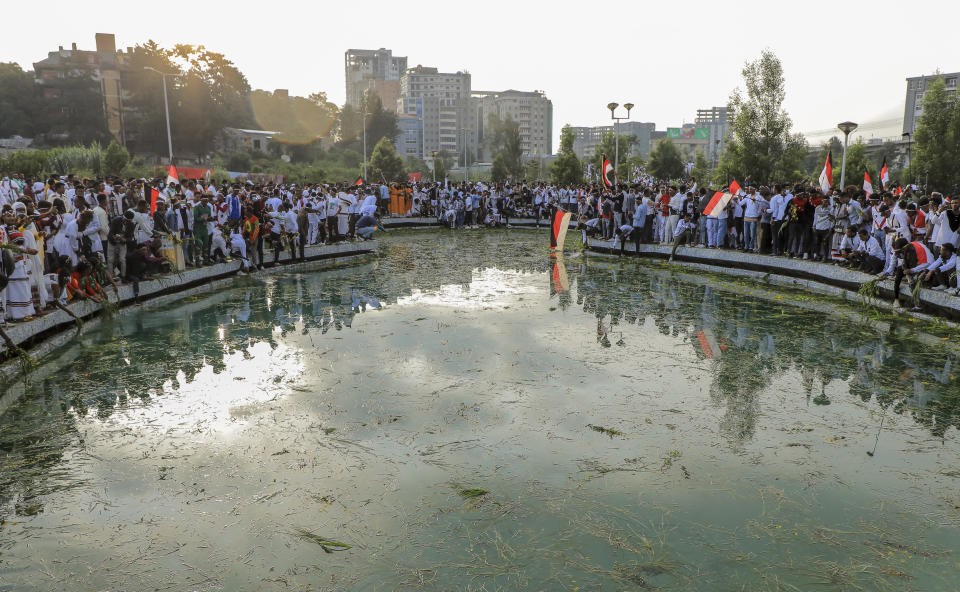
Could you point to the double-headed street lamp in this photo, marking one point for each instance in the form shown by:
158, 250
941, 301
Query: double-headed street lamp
846, 127
166, 107
616, 138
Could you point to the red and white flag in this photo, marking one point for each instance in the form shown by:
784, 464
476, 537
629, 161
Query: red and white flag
826, 177
716, 204
172, 176
154, 194
734, 188
358, 182
608, 175
884, 174
867, 185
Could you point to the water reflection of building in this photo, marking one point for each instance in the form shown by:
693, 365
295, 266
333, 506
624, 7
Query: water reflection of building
751, 341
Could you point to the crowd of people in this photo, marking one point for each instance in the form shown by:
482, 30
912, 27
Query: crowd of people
66, 238
901, 233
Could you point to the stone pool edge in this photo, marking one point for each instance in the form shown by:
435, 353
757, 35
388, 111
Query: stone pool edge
794, 273
41, 335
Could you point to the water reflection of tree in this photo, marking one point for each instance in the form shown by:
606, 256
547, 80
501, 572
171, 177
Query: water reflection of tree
763, 339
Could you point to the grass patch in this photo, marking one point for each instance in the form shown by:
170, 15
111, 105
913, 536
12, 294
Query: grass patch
329, 431
608, 431
472, 493
327, 545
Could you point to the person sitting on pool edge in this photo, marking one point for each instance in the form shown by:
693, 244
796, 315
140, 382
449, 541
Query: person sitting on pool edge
940, 275
683, 233
910, 260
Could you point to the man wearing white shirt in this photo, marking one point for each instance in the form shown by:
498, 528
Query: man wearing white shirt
333, 211
683, 233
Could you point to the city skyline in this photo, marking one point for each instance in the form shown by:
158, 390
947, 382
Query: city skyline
827, 81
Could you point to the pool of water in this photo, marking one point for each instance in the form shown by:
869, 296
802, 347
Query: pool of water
462, 412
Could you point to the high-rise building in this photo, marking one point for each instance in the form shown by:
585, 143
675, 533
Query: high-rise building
717, 121
376, 70
532, 111
442, 100
410, 140
916, 89
104, 65
585, 139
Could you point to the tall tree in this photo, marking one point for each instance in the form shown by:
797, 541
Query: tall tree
385, 163
19, 114
761, 147
937, 149
567, 168
380, 124
504, 141
666, 162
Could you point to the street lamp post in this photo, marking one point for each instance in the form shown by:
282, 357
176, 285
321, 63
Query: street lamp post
907, 138
846, 127
616, 137
433, 154
166, 108
364, 126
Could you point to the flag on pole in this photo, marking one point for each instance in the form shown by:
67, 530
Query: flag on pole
607, 172
716, 204
884, 174
897, 191
826, 176
172, 176
154, 194
867, 185
734, 187
359, 181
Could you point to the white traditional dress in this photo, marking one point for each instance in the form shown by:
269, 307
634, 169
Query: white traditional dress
17, 301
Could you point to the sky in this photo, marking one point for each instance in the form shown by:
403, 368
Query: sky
843, 60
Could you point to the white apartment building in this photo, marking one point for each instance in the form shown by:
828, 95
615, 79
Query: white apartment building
442, 100
532, 111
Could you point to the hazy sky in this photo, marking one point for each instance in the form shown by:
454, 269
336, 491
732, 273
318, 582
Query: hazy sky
842, 59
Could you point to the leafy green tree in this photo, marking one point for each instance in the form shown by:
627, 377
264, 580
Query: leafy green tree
608, 147
19, 113
857, 163
761, 147
417, 165
937, 149
567, 168
666, 161
701, 169
206, 93
385, 163
115, 158
504, 141
380, 122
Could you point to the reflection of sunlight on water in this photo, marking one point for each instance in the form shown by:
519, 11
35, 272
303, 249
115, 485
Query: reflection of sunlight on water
217, 400
487, 287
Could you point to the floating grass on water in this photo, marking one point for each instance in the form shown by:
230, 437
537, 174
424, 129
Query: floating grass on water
329, 431
608, 431
472, 493
327, 545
